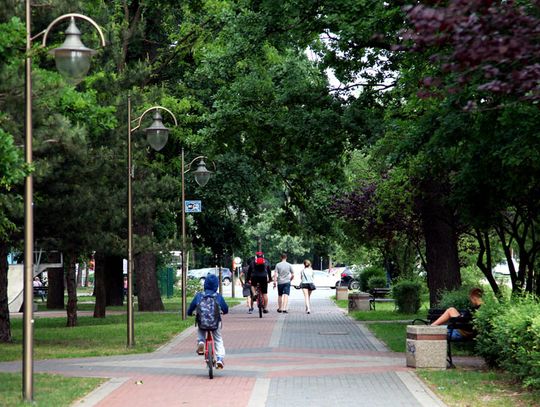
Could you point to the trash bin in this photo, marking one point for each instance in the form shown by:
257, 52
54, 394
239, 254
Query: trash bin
426, 346
359, 302
342, 293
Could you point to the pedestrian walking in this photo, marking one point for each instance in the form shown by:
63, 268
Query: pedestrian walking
246, 288
283, 274
307, 285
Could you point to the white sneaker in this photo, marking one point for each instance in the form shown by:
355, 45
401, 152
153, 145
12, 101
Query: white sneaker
200, 348
219, 363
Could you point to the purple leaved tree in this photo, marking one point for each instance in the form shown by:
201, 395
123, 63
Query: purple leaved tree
494, 44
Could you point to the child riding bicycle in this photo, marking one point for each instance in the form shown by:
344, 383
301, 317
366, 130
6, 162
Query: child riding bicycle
206, 316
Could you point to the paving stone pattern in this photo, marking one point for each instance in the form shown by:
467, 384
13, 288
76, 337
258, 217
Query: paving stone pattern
280, 360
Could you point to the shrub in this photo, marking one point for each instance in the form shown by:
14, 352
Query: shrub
485, 319
376, 282
455, 298
407, 294
193, 286
509, 336
369, 272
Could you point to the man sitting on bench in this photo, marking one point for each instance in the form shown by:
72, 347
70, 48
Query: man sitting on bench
475, 297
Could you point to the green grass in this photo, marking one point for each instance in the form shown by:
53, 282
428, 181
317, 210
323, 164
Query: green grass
49, 390
100, 337
173, 304
460, 388
392, 334
95, 337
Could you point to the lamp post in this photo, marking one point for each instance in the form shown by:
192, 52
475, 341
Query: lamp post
202, 175
73, 62
157, 135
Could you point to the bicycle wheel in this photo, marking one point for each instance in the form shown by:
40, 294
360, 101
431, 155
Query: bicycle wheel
210, 361
260, 303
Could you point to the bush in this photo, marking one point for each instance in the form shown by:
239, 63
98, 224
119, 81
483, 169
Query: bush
485, 319
509, 336
458, 298
193, 286
369, 272
376, 282
407, 294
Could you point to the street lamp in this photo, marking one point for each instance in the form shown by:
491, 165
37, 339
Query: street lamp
156, 135
73, 61
202, 175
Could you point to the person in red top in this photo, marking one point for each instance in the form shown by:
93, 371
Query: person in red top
259, 273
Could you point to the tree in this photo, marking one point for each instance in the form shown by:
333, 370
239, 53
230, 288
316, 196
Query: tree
490, 44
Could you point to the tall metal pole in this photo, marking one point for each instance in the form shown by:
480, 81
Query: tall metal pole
28, 311
233, 282
130, 324
184, 276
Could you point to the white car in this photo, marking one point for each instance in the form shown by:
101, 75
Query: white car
320, 278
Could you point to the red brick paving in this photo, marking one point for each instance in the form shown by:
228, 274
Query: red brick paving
181, 391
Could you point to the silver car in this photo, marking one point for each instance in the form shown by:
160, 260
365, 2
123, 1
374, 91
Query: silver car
200, 274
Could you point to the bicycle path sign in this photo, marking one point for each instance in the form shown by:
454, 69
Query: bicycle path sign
193, 206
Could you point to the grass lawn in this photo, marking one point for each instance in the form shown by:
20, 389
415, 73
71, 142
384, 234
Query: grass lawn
93, 336
100, 337
463, 388
49, 390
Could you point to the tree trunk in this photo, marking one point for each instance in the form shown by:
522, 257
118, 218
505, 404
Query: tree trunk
114, 280
79, 274
441, 243
71, 283
5, 325
55, 282
485, 251
99, 287
86, 275
149, 298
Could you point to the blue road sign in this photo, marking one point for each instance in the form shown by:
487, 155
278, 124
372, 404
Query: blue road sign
193, 206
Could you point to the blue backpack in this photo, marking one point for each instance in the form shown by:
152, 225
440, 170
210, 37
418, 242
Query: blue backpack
208, 313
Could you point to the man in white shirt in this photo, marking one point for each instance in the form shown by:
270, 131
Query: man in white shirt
283, 274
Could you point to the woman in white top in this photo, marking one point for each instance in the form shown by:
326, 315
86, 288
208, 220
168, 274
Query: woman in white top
307, 284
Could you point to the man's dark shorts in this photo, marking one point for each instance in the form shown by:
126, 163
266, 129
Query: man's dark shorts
263, 282
284, 289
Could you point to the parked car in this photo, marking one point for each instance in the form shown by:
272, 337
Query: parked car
200, 274
348, 279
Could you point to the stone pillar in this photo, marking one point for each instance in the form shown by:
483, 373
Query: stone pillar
359, 302
426, 346
342, 293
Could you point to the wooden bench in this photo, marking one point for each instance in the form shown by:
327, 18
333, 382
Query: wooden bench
463, 322
378, 295
41, 292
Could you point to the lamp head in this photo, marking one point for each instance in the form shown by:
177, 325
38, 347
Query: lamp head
202, 175
73, 57
157, 134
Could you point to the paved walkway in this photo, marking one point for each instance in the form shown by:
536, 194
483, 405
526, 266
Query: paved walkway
281, 360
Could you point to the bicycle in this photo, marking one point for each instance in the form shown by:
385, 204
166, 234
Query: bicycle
210, 353
259, 298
